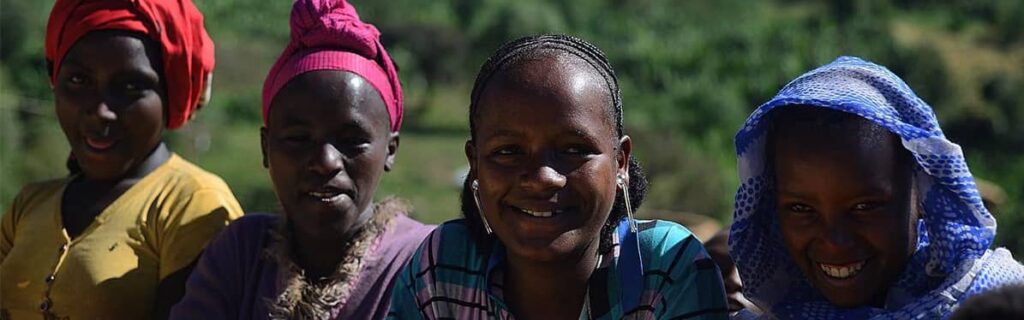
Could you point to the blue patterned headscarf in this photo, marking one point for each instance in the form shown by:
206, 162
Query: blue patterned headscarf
952, 260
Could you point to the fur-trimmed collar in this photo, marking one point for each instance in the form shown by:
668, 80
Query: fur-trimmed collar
303, 298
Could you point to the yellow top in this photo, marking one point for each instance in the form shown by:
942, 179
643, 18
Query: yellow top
111, 270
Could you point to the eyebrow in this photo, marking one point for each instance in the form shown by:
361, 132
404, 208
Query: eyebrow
504, 133
75, 63
792, 194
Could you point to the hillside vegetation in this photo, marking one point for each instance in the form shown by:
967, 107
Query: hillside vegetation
691, 71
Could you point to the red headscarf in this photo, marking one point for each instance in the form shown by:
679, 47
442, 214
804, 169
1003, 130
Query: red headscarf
328, 35
175, 24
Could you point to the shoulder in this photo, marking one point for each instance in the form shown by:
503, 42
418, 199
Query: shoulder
451, 236
245, 234
1000, 268
34, 194
184, 189
449, 246
669, 247
407, 232
677, 267
189, 178
37, 191
251, 225
659, 236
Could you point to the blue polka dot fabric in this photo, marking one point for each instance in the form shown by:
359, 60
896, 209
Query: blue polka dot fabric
952, 260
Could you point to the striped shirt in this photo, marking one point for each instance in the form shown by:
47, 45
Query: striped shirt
450, 278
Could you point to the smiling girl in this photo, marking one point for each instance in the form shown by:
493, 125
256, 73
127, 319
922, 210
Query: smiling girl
116, 238
854, 205
548, 202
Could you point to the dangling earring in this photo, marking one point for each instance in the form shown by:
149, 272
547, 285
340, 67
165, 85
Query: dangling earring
621, 182
479, 209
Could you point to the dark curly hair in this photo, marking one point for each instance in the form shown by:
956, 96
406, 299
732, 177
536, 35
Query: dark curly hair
510, 55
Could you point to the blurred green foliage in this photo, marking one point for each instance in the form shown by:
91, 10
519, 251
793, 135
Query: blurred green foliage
691, 71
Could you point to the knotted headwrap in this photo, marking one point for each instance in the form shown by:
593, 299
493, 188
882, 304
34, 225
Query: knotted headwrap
174, 24
328, 35
952, 260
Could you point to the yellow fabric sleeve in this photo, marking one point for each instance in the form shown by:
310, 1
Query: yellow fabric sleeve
190, 225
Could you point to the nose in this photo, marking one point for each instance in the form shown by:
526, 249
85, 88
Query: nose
103, 111
837, 234
327, 160
543, 178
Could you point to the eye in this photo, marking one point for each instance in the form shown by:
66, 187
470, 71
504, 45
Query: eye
132, 87
296, 138
800, 208
508, 150
354, 147
76, 79
867, 206
578, 150
506, 155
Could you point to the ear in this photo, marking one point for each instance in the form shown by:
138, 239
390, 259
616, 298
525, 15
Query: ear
263, 146
389, 161
470, 150
622, 157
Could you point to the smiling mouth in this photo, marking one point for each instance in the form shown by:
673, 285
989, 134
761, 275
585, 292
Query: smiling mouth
100, 144
540, 213
844, 271
327, 195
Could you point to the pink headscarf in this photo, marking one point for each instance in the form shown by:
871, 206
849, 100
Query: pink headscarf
328, 35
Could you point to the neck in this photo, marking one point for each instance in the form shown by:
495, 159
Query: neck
549, 290
157, 157
321, 254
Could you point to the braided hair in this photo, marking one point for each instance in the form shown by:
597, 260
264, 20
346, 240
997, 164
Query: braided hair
509, 56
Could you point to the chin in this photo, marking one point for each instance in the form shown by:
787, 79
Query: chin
546, 250
844, 301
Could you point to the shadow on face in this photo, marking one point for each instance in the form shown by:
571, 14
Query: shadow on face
546, 154
111, 102
326, 143
844, 202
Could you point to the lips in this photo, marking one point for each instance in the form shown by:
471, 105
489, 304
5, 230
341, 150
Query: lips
326, 194
100, 144
842, 271
540, 213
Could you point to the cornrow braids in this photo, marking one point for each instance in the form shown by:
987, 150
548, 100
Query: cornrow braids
531, 46
510, 55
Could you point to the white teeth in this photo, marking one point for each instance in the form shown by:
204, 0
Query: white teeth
324, 196
541, 214
841, 271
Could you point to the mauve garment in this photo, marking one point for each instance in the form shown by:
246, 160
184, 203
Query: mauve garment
234, 278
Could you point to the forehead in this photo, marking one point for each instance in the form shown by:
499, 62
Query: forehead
555, 85
114, 49
327, 96
852, 150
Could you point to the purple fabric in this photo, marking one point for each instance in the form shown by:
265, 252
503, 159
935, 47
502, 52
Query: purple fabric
234, 278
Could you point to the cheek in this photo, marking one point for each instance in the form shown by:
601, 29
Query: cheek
795, 236
144, 122
67, 115
892, 236
284, 166
366, 171
148, 110
67, 106
594, 182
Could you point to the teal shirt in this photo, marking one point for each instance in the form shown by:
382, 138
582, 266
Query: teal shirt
449, 277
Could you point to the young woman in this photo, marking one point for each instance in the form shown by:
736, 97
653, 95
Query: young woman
116, 238
332, 107
853, 204
549, 232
